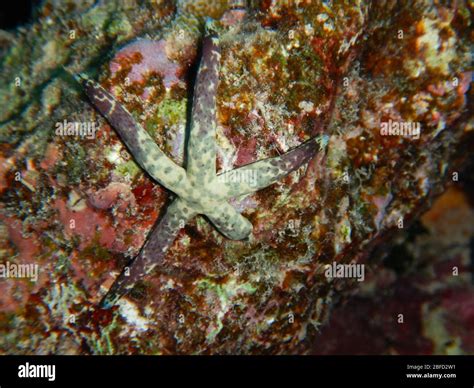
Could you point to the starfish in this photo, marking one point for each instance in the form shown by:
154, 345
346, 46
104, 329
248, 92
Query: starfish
198, 189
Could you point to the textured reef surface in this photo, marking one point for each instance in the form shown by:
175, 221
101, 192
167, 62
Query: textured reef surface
384, 87
416, 280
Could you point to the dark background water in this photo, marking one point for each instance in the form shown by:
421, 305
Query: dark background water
14, 13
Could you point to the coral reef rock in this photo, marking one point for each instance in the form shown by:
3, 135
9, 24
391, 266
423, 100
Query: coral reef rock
383, 86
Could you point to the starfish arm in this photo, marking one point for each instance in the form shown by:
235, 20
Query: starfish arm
229, 222
258, 175
152, 253
201, 163
139, 142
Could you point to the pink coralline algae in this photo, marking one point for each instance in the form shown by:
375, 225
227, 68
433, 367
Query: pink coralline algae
115, 194
150, 58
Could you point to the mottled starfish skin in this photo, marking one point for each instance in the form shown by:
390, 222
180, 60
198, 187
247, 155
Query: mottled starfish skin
198, 189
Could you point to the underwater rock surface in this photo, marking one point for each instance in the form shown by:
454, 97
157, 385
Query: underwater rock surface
427, 278
384, 85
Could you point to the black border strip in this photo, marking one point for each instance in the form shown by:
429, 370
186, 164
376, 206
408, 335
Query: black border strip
291, 371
